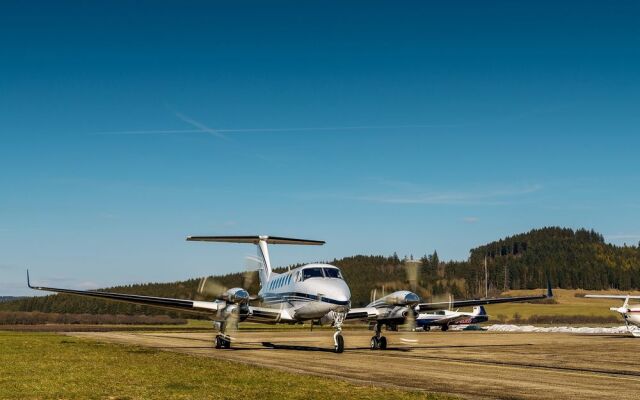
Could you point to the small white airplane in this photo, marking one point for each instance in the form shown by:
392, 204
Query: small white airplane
446, 318
631, 315
308, 293
402, 306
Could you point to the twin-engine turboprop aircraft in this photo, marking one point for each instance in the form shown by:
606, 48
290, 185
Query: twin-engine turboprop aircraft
313, 292
310, 292
402, 306
631, 314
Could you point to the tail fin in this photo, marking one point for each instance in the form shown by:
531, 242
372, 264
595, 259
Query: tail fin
479, 310
261, 242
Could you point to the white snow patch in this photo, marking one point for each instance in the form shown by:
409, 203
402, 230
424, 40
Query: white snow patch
562, 329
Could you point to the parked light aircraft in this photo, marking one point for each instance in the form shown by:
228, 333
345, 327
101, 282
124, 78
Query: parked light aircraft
402, 306
310, 292
445, 318
631, 315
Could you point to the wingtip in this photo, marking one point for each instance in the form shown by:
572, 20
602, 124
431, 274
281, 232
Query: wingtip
29, 280
549, 290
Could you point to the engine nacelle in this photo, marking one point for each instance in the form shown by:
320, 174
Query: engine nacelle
236, 296
401, 298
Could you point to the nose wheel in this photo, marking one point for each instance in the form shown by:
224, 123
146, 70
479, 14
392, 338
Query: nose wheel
338, 341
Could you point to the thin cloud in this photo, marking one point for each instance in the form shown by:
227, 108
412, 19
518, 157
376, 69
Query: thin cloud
471, 220
623, 237
495, 197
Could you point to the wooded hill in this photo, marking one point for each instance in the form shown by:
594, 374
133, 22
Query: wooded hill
571, 259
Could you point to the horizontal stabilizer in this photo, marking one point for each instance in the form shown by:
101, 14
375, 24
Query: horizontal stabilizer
255, 240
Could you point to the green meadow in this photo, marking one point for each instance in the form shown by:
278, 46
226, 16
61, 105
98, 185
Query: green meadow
51, 366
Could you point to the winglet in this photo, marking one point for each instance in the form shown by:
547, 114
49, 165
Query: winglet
549, 291
28, 280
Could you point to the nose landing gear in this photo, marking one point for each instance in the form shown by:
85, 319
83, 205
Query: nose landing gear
338, 340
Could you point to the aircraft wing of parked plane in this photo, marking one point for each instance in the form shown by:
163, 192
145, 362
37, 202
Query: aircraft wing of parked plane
481, 302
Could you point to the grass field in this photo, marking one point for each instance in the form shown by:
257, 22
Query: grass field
567, 304
50, 366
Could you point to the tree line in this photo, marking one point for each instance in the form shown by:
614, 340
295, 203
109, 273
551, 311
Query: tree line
579, 259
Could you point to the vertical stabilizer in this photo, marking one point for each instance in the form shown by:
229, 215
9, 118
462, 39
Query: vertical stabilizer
263, 254
261, 242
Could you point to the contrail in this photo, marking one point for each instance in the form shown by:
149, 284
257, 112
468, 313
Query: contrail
202, 127
218, 132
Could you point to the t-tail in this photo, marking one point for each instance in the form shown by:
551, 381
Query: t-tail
261, 242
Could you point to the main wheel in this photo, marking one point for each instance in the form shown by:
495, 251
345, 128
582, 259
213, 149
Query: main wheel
427, 328
374, 343
382, 343
339, 346
218, 342
226, 344
445, 328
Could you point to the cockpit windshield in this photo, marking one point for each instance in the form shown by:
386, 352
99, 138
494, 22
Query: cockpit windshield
312, 273
317, 272
332, 273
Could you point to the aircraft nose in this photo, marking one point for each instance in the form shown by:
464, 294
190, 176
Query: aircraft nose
337, 290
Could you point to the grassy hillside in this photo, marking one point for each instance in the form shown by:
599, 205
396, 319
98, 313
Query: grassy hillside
568, 302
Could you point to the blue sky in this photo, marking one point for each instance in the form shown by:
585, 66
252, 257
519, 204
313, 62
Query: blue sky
376, 126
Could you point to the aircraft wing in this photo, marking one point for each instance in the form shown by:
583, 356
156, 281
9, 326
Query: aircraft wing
443, 305
188, 306
610, 296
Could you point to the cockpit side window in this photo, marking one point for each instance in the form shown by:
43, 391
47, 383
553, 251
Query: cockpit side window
312, 273
332, 273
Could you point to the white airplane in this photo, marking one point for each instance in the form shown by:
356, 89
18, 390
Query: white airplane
446, 318
402, 306
631, 315
308, 293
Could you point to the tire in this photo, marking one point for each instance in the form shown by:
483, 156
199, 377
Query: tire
339, 347
427, 328
218, 342
374, 343
445, 328
382, 343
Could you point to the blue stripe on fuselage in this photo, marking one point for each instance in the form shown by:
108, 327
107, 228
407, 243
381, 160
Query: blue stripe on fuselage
297, 296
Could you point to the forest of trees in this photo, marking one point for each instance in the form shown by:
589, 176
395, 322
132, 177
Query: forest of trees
570, 259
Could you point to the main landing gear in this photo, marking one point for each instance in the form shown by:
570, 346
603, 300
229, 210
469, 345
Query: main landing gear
338, 340
378, 342
223, 341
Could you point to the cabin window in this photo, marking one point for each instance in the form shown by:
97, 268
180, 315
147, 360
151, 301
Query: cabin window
312, 273
332, 273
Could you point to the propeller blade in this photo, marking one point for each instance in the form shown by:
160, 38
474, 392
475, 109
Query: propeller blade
209, 288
